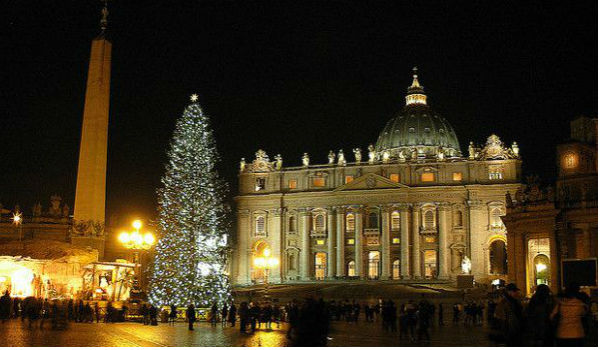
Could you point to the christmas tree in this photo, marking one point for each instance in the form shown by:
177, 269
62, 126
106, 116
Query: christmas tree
189, 264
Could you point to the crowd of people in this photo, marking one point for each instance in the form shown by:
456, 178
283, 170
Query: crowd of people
545, 320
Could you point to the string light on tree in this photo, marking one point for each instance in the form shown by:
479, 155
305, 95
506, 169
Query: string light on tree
189, 265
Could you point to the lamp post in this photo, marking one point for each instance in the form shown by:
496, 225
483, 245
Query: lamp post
138, 243
266, 262
18, 220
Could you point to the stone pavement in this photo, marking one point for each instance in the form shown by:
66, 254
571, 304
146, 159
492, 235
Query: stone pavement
16, 333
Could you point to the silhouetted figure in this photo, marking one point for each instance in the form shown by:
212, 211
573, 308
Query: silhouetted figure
144, 313
509, 316
570, 312
190, 314
538, 313
423, 320
97, 312
224, 315
244, 316
5, 304
214, 313
172, 314
440, 315
232, 315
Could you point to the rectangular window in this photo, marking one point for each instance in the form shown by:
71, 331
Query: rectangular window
348, 179
350, 241
457, 176
318, 181
260, 184
395, 178
427, 177
293, 184
320, 241
395, 240
495, 176
430, 239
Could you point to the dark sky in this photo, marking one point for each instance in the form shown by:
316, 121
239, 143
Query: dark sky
286, 76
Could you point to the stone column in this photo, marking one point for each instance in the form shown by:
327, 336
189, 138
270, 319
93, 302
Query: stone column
404, 242
443, 210
244, 251
340, 243
385, 243
274, 237
304, 234
416, 246
478, 223
331, 234
358, 242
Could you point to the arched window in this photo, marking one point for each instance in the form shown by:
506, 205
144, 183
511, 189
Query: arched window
351, 268
458, 218
260, 224
350, 222
396, 270
495, 220
292, 224
429, 219
395, 221
498, 258
319, 223
373, 220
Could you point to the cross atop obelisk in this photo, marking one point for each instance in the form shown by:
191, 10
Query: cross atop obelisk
90, 195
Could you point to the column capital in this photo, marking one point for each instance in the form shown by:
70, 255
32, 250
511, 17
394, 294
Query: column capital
276, 211
243, 212
476, 204
444, 205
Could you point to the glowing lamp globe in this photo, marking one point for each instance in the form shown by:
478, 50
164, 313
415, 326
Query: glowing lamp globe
149, 238
124, 237
137, 224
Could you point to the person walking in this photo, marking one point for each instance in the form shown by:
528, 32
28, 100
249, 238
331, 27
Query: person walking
423, 317
411, 313
244, 314
190, 314
538, 313
224, 315
97, 312
144, 313
214, 313
173, 314
232, 315
509, 316
569, 315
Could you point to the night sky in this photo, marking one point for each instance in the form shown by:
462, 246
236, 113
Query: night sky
288, 77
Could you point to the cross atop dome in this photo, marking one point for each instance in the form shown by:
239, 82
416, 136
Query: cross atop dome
416, 92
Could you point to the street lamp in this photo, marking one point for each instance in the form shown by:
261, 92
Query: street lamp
138, 243
266, 262
18, 220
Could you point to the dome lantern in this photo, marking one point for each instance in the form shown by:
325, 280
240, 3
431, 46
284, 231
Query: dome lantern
417, 131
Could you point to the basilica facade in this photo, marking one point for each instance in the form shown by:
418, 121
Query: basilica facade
412, 208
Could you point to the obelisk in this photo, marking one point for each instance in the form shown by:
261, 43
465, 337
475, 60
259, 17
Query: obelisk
90, 195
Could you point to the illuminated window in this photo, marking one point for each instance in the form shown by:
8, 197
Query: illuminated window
350, 241
570, 160
395, 178
260, 224
318, 181
496, 173
395, 221
293, 184
351, 269
319, 223
320, 266
396, 270
430, 239
348, 179
457, 176
395, 240
427, 177
349, 222
260, 184
320, 241
429, 220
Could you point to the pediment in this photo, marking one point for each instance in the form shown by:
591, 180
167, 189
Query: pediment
370, 182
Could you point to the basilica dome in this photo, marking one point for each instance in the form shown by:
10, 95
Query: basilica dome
417, 131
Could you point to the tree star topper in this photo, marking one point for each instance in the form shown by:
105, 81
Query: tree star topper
194, 97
